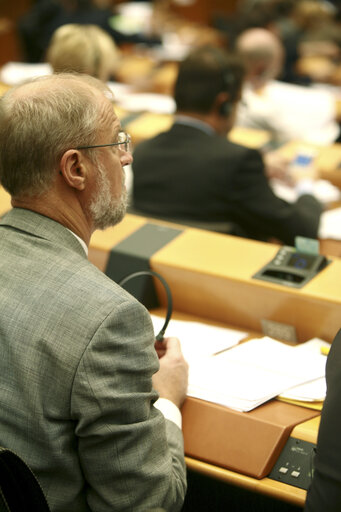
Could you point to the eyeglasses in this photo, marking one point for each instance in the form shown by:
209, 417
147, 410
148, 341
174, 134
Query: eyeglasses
123, 139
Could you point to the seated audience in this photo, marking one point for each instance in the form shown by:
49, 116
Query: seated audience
288, 111
193, 172
83, 49
35, 28
324, 493
80, 374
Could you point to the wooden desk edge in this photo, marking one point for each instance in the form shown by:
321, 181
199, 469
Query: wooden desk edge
266, 486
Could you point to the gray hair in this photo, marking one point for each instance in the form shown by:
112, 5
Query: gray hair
39, 121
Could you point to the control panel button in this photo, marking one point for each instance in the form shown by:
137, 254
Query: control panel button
295, 474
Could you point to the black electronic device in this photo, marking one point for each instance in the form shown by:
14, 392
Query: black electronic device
295, 465
292, 268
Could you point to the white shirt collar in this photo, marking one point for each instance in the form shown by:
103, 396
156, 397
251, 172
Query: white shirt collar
81, 241
196, 123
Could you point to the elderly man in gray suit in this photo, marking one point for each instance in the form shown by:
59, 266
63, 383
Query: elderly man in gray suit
84, 398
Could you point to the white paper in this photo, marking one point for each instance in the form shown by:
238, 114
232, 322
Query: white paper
14, 73
323, 190
199, 340
316, 389
330, 224
120, 90
147, 102
252, 373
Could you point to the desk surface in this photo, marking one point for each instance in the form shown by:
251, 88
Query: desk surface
5, 201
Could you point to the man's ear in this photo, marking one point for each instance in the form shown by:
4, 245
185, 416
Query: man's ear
73, 169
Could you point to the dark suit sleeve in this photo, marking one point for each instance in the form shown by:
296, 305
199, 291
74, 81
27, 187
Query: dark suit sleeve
261, 211
324, 494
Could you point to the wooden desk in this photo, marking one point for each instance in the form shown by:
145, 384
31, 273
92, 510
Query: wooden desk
3, 88
211, 277
306, 431
328, 247
5, 201
147, 125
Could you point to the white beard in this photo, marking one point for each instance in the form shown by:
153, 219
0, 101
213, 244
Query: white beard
106, 211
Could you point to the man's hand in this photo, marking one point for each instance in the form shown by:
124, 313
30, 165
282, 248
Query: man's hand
172, 378
277, 166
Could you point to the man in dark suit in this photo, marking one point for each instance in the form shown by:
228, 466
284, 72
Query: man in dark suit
192, 172
84, 399
324, 493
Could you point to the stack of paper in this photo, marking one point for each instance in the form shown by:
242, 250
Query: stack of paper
199, 340
323, 190
253, 372
310, 392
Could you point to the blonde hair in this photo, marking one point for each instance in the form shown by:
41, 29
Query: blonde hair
83, 49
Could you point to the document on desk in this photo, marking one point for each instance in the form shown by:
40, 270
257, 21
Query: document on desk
314, 391
323, 190
199, 340
14, 73
252, 373
148, 102
330, 224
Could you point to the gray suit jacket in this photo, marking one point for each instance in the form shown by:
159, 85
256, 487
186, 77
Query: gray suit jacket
76, 361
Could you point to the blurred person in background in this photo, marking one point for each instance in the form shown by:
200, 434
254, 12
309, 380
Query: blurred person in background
287, 111
192, 172
83, 49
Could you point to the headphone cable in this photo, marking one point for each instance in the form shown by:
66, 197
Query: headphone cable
160, 335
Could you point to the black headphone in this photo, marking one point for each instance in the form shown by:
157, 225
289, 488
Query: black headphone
160, 335
225, 109
228, 79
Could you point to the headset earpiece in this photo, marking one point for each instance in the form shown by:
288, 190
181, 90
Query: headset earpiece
225, 109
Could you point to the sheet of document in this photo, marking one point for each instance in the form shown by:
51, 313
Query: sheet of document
314, 391
323, 190
252, 373
150, 102
199, 340
330, 224
14, 73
